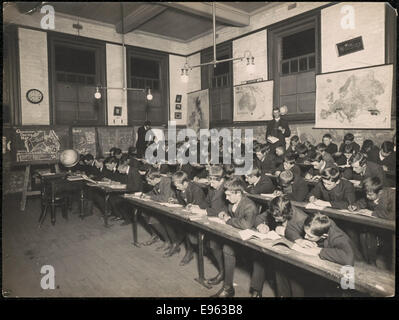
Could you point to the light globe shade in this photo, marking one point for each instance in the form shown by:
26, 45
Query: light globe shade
251, 68
97, 95
184, 78
69, 158
283, 110
149, 97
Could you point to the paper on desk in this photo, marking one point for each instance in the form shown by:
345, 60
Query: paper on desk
217, 220
268, 195
364, 212
318, 205
248, 234
117, 186
308, 251
171, 205
272, 139
356, 183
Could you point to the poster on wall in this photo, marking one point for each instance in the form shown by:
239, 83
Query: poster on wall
355, 99
198, 110
253, 101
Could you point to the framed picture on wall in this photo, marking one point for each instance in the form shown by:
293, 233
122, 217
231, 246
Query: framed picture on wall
178, 98
177, 115
117, 111
178, 106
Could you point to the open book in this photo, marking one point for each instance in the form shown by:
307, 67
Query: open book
117, 186
217, 220
272, 139
268, 195
364, 212
291, 245
356, 183
251, 234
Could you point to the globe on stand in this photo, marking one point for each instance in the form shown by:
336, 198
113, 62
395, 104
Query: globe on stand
69, 158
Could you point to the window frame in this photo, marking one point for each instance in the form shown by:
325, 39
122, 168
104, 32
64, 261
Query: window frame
101, 78
163, 59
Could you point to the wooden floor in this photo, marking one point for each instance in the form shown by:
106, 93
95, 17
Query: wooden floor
92, 261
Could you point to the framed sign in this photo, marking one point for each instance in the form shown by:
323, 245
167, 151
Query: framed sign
117, 111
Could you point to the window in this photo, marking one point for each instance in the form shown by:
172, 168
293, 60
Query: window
147, 70
219, 82
294, 58
77, 68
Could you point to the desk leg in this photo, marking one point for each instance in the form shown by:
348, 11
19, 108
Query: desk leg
106, 211
134, 227
393, 250
82, 202
52, 204
201, 273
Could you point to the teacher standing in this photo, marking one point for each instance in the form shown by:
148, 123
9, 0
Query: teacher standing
277, 128
141, 144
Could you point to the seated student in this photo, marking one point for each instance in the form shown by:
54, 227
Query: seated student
280, 216
189, 194
264, 159
342, 161
303, 154
311, 148
134, 183
387, 157
115, 152
162, 192
321, 149
110, 164
216, 199
349, 139
362, 168
89, 166
319, 164
241, 214
296, 188
381, 201
289, 164
258, 183
294, 141
331, 147
279, 155
370, 150
339, 192
79, 167
321, 237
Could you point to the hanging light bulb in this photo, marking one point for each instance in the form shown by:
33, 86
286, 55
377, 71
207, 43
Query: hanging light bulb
97, 94
184, 76
149, 95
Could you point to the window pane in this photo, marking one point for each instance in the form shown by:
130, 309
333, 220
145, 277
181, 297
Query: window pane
294, 66
306, 102
285, 68
60, 77
74, 60
298, 44
312, 62
303, 64
290, 102
156, 85
144, 68
90, 80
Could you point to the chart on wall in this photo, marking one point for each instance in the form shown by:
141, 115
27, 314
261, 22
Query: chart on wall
360, 98
84, 140
253, 101
198, 110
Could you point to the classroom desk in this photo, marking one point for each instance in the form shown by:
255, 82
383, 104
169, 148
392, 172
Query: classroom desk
367, 279
106, 191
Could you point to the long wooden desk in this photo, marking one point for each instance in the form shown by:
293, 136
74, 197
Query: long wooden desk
367, 279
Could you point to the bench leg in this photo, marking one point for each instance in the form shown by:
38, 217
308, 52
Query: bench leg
201, 271
134, 227
42, 216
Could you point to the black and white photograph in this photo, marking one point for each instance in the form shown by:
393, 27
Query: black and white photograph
277, 179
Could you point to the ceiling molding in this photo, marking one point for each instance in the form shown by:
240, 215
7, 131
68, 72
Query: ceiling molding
224, 14
138, 17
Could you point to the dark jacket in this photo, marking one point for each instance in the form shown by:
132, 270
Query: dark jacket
217, 201
340, 197
300, 189
355, 146
134, 182
332, 148
374, 154
389, 162
245, 214
385, 208
141, 144
268, 165
264, 185
296, 170
294, 229
163, 191
193, 195
272, 130
372, 170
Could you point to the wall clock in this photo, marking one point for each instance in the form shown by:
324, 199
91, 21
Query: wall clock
34, 96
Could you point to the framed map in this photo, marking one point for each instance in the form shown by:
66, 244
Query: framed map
198, 110
253, 101
355, 99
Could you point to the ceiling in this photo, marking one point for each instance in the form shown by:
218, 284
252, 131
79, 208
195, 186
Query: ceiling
179, 21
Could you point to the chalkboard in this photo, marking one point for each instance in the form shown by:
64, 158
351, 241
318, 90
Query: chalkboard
39, 144
84, 140
120, 137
